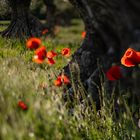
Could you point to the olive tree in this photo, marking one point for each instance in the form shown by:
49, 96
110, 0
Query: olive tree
111, 27
23, 23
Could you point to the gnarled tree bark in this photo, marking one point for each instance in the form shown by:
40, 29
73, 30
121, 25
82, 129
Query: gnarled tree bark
23, 23
111, 26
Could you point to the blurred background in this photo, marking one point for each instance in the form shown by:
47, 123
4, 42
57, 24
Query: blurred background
63, 10
67, 23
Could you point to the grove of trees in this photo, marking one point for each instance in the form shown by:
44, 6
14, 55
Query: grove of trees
111, 27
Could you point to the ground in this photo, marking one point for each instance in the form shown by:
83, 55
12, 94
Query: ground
48, 117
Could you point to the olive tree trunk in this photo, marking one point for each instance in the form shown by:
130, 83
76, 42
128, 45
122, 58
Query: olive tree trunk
23, 23
111, 26
50, 14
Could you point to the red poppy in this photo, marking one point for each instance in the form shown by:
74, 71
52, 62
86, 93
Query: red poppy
65, 79
33, 43
51, 54
65, 52
58, 82
61, 79
40, 55
50, 61
130, 58
114, 73
83, 34
45, 31
22, 105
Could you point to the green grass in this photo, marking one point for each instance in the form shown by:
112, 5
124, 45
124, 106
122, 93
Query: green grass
3, 25
4, 22
48, 117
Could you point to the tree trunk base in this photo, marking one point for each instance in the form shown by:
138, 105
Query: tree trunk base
112, 27
24, 27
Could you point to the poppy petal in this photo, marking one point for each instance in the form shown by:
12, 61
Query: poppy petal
51, 54
114, 73
66, 80
57, 82
41, 52
130, 58
22, 105
50, 61
65, 52
36, 60
33, 43
83, 34
127, 62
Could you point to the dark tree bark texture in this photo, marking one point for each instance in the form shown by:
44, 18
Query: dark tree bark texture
23, 23
50, 14
111, 26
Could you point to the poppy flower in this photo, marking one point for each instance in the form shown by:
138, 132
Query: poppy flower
22, 105
58, 82
33, 43
130, 58
51, 54
65, 79
45, 31
65, 52
50, 61
114, 73
40, 55
83, 34
61, 79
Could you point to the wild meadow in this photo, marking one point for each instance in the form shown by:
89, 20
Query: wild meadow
32, 105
